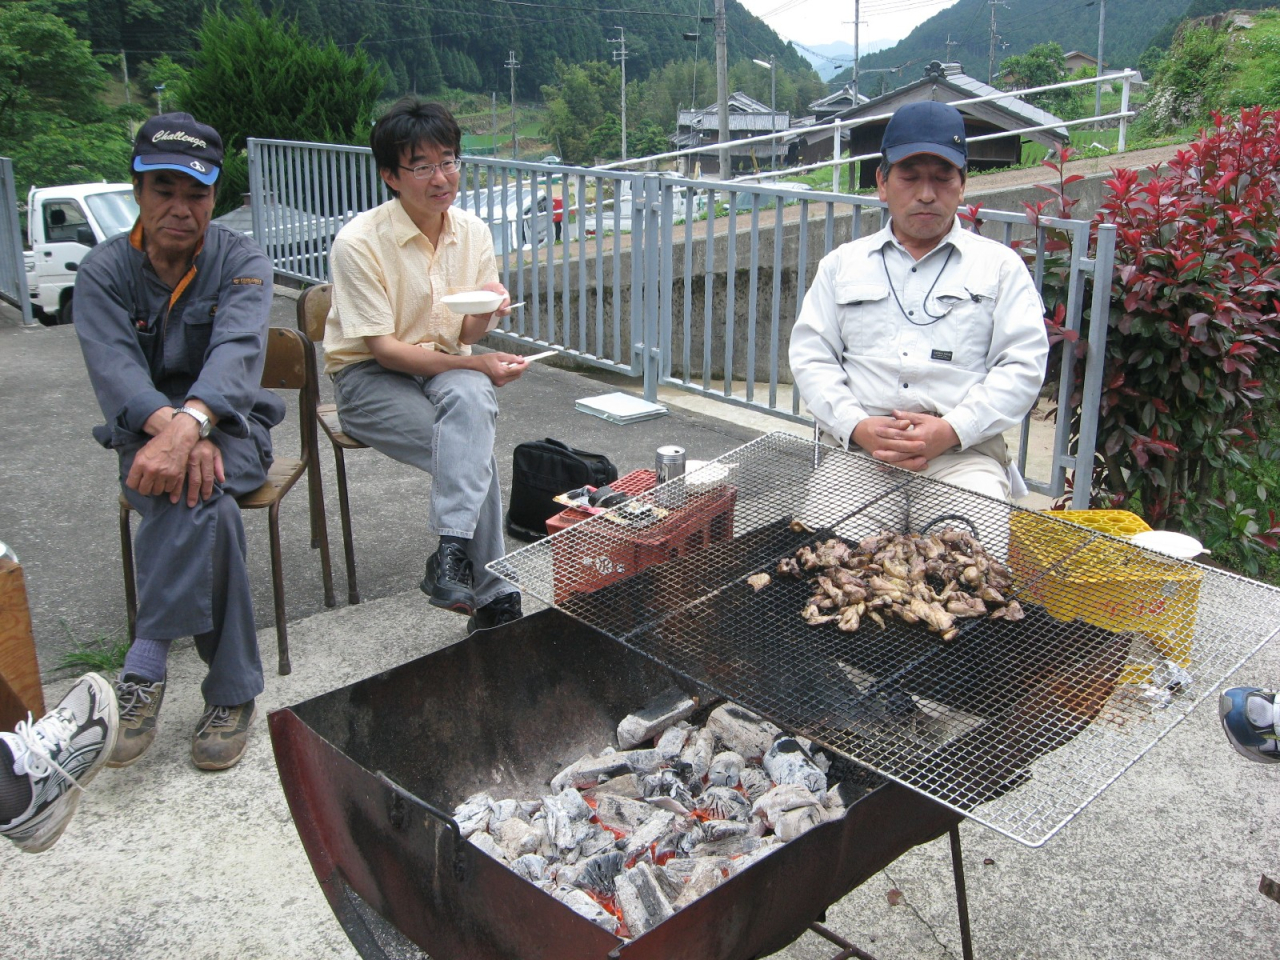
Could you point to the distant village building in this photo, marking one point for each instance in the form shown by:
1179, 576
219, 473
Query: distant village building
700, 129
1077, 59
836, 103
945, 83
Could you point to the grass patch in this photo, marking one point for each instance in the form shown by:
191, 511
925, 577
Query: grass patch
103, 654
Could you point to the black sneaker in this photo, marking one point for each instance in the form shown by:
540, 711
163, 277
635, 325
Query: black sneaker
448, 580
496, 612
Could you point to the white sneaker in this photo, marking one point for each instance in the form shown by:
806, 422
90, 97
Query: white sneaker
60, 754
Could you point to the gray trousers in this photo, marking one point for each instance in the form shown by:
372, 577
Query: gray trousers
191, 573
444, 425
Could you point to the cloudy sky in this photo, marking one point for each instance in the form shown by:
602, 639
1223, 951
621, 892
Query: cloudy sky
827, 21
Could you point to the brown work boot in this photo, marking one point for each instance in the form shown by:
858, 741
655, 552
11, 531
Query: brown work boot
222, 735
139, 719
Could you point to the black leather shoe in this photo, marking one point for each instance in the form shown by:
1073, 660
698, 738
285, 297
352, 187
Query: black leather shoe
496, 612
448, 580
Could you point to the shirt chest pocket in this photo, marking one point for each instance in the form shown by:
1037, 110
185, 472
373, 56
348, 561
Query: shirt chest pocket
147, 328
197, 329
860, 312
966, 312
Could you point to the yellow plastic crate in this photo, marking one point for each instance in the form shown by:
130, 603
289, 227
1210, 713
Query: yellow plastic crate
1073, 573
1118, 523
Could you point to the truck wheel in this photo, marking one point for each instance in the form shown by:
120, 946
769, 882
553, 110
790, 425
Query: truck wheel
64, 312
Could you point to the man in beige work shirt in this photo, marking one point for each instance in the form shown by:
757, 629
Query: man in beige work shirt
405, 380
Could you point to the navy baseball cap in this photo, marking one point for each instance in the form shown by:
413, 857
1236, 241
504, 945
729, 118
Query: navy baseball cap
177, 141
926, 127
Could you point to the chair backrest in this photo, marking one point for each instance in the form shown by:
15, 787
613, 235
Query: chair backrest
313, 310
291, 365
290, 361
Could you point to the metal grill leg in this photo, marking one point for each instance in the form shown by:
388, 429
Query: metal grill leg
848, 950
962, 899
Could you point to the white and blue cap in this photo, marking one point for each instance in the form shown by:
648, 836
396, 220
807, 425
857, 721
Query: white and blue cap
177, 141
926, 127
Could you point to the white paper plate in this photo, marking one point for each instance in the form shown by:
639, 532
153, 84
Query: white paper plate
700, 476
1169, 543
475, 301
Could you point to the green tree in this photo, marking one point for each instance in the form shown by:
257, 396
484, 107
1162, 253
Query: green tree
577, 104
605, 141
647, 139
163, 71
44, 68
52, 124
681, 83
257, 76
1043, 64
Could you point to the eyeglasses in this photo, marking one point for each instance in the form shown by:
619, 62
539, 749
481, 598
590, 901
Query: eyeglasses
425, 171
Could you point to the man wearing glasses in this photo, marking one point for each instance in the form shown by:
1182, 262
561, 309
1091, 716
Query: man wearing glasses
405, 380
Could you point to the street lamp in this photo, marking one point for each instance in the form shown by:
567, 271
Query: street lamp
772, 66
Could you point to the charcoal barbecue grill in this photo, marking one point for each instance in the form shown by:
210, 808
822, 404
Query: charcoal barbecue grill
1017, 725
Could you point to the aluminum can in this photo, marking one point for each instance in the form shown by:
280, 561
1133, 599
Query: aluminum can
668, 463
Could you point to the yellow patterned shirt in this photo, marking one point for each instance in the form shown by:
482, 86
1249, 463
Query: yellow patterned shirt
388, 278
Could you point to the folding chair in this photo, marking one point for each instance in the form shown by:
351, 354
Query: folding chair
290, 365
313, 308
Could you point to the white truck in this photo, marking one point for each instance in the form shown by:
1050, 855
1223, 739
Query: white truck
62, 224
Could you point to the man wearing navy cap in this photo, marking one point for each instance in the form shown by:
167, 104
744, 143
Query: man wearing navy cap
922, 343
172, 319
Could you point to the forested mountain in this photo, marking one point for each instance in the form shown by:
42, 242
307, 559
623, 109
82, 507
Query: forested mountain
1020, 25
461, 43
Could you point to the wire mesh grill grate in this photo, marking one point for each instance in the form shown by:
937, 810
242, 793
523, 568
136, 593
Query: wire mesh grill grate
1016, 723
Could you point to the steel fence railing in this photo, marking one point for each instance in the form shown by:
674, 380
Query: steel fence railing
685, 284
13, 268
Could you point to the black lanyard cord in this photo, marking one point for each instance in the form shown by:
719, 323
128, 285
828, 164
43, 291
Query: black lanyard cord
924, 304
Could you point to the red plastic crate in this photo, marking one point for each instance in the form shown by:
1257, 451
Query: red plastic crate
606, 553
635, 482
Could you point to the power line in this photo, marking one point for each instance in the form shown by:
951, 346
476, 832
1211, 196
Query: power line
630, 11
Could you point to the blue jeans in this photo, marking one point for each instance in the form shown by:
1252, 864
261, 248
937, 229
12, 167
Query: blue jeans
444, 425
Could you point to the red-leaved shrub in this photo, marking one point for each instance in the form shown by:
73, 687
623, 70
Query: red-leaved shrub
1193, 345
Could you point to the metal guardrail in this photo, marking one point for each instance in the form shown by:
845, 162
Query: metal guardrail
13, 269
688, 284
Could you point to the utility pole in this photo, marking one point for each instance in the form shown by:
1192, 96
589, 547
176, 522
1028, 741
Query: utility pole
1097, 87
513, 66
124, 63
620, 57
995, 38
722, 88
857, 17
951, 43
493, 128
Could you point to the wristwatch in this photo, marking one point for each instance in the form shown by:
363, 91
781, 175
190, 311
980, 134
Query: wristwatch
206, 425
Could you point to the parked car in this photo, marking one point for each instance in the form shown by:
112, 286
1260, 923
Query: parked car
521, 222
63, 223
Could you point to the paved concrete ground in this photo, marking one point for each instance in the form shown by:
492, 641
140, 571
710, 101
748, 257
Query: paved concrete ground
163, 861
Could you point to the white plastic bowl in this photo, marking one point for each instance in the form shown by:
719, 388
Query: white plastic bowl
1171, 544
474, 301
